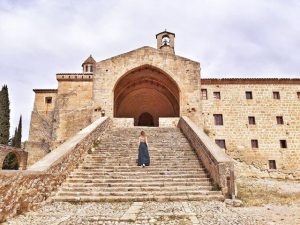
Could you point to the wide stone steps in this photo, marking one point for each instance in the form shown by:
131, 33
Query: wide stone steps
109, 172
136, 193
136, 189
130, 180
140, 184
150, 197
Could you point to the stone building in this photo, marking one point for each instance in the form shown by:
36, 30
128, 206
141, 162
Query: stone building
255, 120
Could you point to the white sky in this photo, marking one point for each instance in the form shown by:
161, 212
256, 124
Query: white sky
230, 38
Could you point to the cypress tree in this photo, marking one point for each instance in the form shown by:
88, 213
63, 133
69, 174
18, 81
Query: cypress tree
13, 139
18, 135
4, 116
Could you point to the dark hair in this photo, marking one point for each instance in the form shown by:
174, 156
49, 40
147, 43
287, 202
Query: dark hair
143, 133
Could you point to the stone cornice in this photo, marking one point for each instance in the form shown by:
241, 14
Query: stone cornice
45, 90
208, 81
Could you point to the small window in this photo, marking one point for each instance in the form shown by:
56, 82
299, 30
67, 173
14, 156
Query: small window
165, 40
298, 95
249, 95
279, 119
221, 143
204, 93
86, 68
272, 164
91, 68
283, 144
276, 95
218, 119
217, 95
251, 120
254, 143
48, 100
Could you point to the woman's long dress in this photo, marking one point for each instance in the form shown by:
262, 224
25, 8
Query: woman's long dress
143, 157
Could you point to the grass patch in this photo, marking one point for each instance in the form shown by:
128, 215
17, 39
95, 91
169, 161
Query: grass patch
260, 195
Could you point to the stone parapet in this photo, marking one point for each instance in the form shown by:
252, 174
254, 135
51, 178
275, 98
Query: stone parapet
219, 165
168, 121
23, 190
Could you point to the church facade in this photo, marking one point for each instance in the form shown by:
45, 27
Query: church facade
256, 121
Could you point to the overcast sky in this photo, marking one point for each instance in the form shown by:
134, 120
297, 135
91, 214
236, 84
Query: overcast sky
230, 38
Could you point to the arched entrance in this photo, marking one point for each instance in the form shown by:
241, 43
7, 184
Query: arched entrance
145, 94
146, 119
10, 162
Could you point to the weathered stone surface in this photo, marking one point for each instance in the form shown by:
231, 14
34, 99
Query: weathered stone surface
22, 190
219, 165
20, 154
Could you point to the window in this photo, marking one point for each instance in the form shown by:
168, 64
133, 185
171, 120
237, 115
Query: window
283, 144
204, 93
221, 143
272, 164
249, 95
251, 120
217, 95
276, 95
298, 95
91, 69
279, 119
48, 100
218, 119
254, 143
165, 40
86, 68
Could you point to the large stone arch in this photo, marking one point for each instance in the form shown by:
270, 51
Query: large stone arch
146, 89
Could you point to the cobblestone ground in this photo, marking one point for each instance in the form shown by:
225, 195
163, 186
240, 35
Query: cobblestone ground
160, 213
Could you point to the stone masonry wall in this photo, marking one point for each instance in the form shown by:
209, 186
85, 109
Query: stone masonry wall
185, 72
237, 132
217, 163
41, 126
23, 190
74, 108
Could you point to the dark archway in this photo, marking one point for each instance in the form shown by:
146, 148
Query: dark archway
10, 162
146, 119
146, 89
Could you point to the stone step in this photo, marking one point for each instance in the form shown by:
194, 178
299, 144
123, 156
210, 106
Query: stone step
138, 170
199, 197
142, 174
138, 184
133, 163
135, 189
132, 180
136, 193
138, 176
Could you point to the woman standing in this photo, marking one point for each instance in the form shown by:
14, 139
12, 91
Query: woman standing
143, 158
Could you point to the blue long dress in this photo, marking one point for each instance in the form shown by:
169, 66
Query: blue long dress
143, 157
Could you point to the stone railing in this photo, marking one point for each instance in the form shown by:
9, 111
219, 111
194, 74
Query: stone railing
23, 190
219, 165
18, 152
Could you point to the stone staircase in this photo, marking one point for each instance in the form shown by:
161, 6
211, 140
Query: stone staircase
109, 172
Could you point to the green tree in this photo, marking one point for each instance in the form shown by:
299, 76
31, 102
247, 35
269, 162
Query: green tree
18, 135
4, 115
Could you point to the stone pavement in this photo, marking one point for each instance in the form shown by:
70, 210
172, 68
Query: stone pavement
143, 213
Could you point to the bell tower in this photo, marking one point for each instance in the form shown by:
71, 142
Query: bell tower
165, 41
